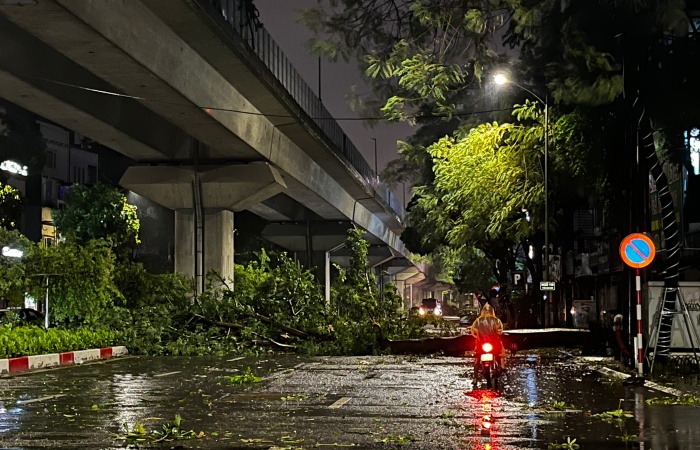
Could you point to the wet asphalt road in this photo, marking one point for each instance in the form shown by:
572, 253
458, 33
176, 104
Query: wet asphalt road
363, 402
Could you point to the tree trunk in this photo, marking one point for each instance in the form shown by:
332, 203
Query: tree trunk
671, 230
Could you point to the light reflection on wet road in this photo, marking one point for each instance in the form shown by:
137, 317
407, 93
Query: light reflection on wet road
368, 402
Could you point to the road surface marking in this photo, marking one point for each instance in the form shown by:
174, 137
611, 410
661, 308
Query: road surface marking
41, 399
166, 374
340, 402
235, 359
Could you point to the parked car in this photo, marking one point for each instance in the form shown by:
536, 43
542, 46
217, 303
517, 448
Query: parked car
430, 306
26, 315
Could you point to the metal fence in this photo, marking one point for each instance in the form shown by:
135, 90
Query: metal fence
241, 15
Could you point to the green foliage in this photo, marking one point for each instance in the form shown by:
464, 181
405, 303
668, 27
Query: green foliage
430, 58
619, 418
613, 416
418, 55
170, 431
570, 444
471, 270
291, 295
33, 340
14, 280
138, 288
81, 287
99, 212
685, 400
274, 304
246, 377
11, 202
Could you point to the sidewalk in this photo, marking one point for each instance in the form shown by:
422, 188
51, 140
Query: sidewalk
678, 385
23, 363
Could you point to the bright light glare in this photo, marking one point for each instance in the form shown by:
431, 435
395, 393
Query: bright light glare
13, 167
12, 252
487, 347
500, 79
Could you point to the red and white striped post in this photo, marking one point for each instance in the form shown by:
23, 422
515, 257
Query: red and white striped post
640, 349
637, 251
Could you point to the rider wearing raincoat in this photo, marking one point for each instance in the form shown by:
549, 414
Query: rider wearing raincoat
487, 328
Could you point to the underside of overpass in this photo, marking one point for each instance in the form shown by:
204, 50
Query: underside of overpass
171, 85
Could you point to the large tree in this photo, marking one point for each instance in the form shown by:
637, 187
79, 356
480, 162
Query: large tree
630, 60
99, 212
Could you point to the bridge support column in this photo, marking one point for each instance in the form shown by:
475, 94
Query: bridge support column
204, 200
209, 248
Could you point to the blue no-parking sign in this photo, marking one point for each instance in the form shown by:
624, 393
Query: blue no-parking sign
637, 250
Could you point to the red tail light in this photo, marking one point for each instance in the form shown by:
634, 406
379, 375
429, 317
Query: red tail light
487, 347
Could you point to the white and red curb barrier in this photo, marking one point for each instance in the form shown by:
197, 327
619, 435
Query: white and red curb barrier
22, 363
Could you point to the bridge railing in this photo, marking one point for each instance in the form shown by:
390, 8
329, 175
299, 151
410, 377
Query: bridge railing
241, 15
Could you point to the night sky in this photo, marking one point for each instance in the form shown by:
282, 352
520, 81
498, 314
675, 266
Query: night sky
280, 18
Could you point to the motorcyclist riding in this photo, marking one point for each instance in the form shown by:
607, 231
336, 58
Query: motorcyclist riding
487, 328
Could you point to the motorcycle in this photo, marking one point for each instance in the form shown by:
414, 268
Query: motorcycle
489, 365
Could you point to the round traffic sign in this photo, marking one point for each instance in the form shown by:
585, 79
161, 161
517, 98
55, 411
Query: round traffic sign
637, 250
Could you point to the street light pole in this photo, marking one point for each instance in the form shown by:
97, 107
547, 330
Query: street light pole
546, 189
502, 79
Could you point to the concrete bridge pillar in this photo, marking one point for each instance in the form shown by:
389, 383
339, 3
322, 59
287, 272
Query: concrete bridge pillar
204, 199
210, 248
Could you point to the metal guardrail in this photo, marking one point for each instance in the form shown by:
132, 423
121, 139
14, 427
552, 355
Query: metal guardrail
241, 15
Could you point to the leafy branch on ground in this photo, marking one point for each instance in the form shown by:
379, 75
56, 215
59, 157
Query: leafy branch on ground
614, 416
274, 305
570, 444
619, 418
246, 377
685, 400
560, 406
169, 431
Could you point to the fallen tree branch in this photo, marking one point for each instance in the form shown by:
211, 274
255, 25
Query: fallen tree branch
217, 323
290, 330
278, 344
260, 317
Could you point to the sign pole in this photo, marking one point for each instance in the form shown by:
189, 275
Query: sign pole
640, 351
46, 307
637, 251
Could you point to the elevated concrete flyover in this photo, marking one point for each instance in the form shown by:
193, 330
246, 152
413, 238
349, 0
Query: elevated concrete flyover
188, 88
